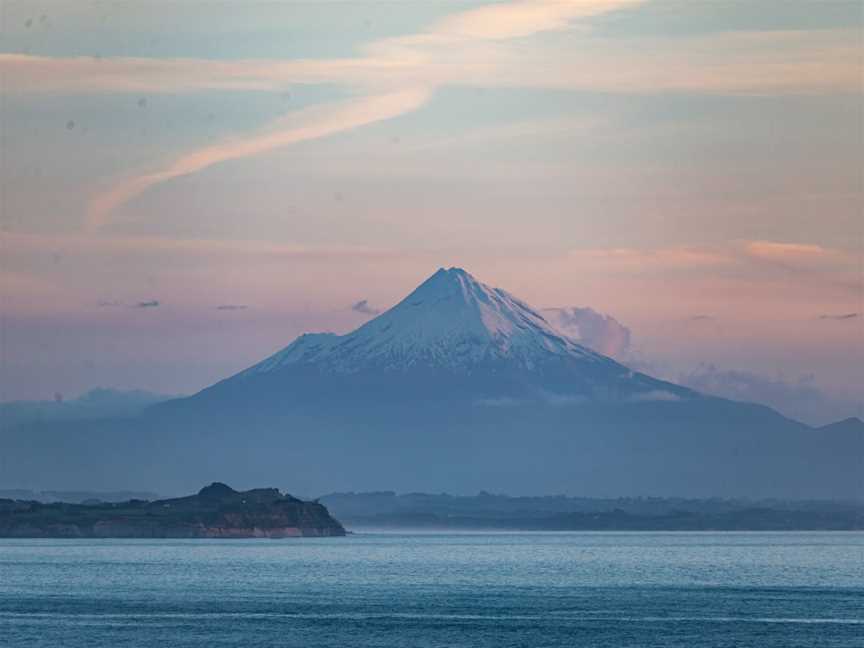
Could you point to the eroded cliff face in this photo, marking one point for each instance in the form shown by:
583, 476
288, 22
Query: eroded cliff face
217, 511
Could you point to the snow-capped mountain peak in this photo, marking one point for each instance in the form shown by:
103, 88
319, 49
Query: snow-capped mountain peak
450, 321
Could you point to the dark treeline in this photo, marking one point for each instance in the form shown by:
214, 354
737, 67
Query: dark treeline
487, 511
75, 496
216, 511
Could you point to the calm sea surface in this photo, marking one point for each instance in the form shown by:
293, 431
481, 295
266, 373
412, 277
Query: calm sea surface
521, 589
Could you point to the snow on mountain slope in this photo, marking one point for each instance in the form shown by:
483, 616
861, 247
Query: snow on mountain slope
451, 321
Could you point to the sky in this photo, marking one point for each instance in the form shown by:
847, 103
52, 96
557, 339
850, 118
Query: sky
188, 185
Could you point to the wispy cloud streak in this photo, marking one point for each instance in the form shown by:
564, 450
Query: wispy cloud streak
306, 125
406, 63
841, 317
398, 75
364, 308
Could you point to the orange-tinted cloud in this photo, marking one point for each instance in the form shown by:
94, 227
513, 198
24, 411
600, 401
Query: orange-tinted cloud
523, 18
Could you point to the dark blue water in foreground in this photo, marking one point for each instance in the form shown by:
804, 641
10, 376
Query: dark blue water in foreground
526, 590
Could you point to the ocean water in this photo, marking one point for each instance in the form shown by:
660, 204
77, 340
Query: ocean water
470, 589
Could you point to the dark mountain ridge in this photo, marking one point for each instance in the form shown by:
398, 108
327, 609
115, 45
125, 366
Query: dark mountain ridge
387, 510
753, 519
99, 403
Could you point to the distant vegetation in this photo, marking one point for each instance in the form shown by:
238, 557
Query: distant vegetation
559, 513
216, 511
75, 496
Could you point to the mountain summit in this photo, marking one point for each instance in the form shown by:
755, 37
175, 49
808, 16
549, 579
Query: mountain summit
450, 321
455, 326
